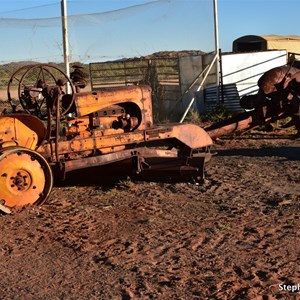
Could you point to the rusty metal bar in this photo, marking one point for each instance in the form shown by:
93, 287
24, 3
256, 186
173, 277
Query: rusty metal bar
229, 126
242, 121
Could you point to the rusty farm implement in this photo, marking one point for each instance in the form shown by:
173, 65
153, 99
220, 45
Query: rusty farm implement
54, 130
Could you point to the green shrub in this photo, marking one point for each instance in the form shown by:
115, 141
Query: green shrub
218, 114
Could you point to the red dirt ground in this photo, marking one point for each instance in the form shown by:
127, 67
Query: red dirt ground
234, 237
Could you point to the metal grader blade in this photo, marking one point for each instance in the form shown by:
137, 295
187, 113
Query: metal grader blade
145, 163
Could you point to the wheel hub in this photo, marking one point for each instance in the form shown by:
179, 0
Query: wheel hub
20, 181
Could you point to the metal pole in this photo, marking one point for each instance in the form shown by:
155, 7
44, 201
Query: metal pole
217, 47
65, 35
199, 88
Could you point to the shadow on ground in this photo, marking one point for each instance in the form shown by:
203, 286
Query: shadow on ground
288, 152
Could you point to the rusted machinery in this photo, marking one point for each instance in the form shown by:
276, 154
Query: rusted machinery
257, 117
277, 98
245, 121
53, 130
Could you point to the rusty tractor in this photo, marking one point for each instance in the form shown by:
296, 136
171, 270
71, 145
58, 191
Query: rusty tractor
54, 130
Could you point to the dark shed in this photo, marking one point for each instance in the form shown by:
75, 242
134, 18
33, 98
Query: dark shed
250, 43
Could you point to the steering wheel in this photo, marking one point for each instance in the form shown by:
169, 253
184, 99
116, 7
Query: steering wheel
31, 80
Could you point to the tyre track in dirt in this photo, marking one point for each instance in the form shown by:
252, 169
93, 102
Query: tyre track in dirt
234, 237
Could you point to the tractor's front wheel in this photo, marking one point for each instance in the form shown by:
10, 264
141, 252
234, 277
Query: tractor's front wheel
25, 177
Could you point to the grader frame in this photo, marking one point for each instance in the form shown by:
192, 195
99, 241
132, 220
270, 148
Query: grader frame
54, 130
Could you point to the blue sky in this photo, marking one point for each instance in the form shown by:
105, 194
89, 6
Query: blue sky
136, 27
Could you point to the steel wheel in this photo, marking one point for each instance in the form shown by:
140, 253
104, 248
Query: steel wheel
25, 177
32, 83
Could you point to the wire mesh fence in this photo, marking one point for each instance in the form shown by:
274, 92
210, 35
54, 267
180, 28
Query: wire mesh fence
106, 38
34, 34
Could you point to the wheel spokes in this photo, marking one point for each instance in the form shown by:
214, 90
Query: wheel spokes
30, 81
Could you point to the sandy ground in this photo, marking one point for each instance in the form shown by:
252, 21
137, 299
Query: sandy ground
234, 237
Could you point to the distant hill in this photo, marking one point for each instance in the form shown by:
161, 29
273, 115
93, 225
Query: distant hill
164, 54
174, 54
7, 70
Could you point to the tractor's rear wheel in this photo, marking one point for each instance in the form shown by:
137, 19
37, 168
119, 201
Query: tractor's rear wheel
25, 177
